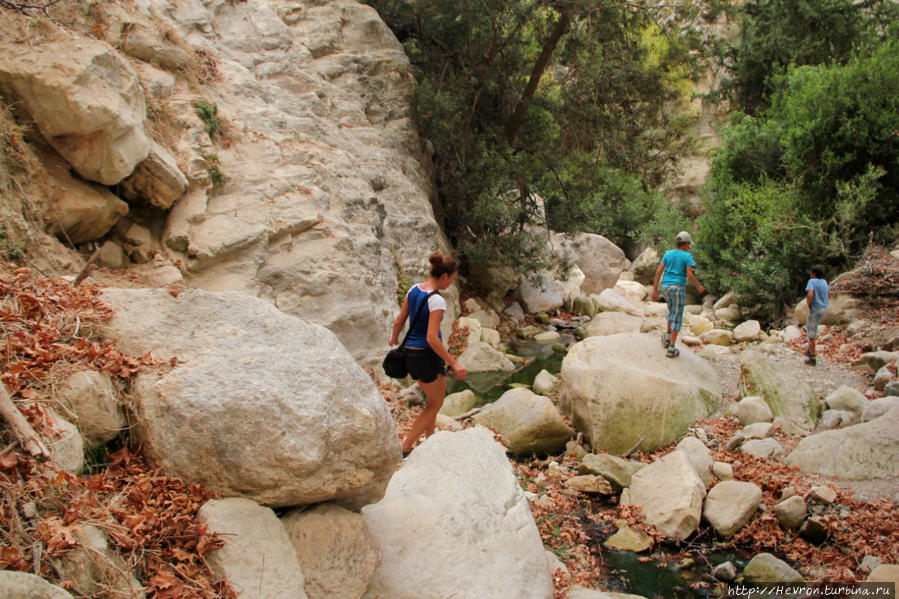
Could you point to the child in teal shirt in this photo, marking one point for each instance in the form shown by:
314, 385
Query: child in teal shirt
677, 266
818, 300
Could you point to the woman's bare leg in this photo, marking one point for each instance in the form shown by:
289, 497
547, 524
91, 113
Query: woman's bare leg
435, 391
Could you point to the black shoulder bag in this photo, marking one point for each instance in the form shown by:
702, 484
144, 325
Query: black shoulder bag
394, 363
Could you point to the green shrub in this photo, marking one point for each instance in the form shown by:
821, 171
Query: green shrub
838, 124
208, 111
812, 179
752, 241
777, 34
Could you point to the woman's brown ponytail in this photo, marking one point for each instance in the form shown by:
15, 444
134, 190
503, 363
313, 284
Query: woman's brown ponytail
442, 265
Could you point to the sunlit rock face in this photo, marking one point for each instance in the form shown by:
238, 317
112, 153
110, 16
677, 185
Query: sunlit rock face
269, 146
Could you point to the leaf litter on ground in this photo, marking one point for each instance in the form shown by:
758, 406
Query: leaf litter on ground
51, 329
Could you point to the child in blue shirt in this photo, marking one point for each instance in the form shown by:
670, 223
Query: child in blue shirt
818, 300
677, 264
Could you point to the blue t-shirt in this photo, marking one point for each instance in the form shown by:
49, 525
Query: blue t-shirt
419, 335
676, 263
821, 290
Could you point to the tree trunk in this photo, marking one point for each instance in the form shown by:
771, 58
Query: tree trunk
542, 62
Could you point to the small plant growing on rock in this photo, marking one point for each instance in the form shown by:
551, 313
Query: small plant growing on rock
215, 171
208, 111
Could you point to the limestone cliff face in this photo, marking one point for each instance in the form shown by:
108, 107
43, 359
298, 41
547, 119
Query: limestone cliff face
314, 191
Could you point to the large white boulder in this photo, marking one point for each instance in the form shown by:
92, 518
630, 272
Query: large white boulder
843, 310
610, 300
847, 398
85, 99
538, 292
325, 205
863, 451
601, 261
257, 559
621, 389
612, 323
730, 505
529, 423
787, 396
338, 554
670, 494
258, 404
482, 357
455, 522
29, 586
89, 395
700, 457
157, 180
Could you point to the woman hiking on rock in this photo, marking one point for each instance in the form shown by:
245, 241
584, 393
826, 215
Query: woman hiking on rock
426, 356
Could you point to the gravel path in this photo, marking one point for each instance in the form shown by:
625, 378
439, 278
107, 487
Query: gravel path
823, 378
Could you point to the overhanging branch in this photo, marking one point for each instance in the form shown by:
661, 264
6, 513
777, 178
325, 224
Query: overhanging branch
26, 8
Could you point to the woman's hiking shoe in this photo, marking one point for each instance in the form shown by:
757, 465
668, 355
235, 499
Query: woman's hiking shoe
672, 352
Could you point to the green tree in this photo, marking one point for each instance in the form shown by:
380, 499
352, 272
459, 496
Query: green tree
554, 98
751, 240
812, 179
838, 124
778, 33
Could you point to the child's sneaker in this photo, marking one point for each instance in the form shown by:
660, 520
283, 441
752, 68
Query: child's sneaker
672, 352
811, 361
808, 354
666, 340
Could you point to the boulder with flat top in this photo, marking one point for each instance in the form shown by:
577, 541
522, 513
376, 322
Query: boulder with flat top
621, 391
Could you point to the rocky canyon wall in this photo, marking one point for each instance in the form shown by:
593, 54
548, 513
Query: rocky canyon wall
265, 146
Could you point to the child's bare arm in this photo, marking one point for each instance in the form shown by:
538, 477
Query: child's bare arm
693, 279
655, 283
809, 297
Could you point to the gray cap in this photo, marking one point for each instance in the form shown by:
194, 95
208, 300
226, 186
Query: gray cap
683, 237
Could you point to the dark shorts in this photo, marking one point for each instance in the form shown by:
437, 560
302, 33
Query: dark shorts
424, 365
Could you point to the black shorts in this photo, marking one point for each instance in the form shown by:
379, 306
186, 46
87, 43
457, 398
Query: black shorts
424, 365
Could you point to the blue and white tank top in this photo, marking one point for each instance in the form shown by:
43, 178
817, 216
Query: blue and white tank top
419, 335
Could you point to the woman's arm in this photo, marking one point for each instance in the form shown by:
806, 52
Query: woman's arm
398, 323
436, 344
